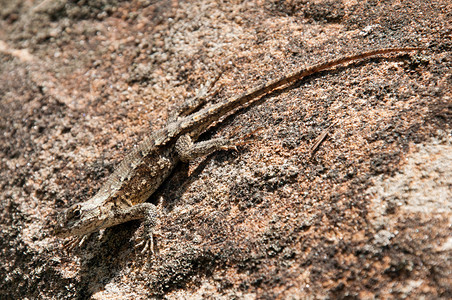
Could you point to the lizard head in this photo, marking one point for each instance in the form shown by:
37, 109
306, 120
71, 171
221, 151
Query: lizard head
74, 221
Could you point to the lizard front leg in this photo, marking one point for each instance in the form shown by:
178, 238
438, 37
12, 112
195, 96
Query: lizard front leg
149, 213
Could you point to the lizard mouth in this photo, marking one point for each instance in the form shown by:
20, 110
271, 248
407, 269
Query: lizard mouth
60, 231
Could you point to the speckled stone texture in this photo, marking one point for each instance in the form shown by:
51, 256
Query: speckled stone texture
369, 215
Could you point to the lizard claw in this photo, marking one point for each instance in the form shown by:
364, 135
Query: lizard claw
147, 245
229, 147
75, 242
147, 242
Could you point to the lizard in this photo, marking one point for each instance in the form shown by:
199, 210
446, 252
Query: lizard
123, 196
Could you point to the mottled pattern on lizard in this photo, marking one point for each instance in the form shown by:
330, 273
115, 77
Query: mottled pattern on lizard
122, 197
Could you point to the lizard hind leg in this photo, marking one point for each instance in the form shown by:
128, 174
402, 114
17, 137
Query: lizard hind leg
196, 102
187, 150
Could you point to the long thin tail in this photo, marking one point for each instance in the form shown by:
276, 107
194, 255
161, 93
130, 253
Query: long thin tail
211, 114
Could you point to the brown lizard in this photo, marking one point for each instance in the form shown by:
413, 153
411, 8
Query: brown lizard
123, 196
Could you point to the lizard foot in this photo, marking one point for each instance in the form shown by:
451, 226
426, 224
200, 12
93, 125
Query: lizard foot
146, 242
75, 242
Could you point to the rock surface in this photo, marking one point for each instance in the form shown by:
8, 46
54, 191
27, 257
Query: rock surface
369, 215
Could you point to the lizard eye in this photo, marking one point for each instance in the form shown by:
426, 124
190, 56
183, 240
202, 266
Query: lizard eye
74, 212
